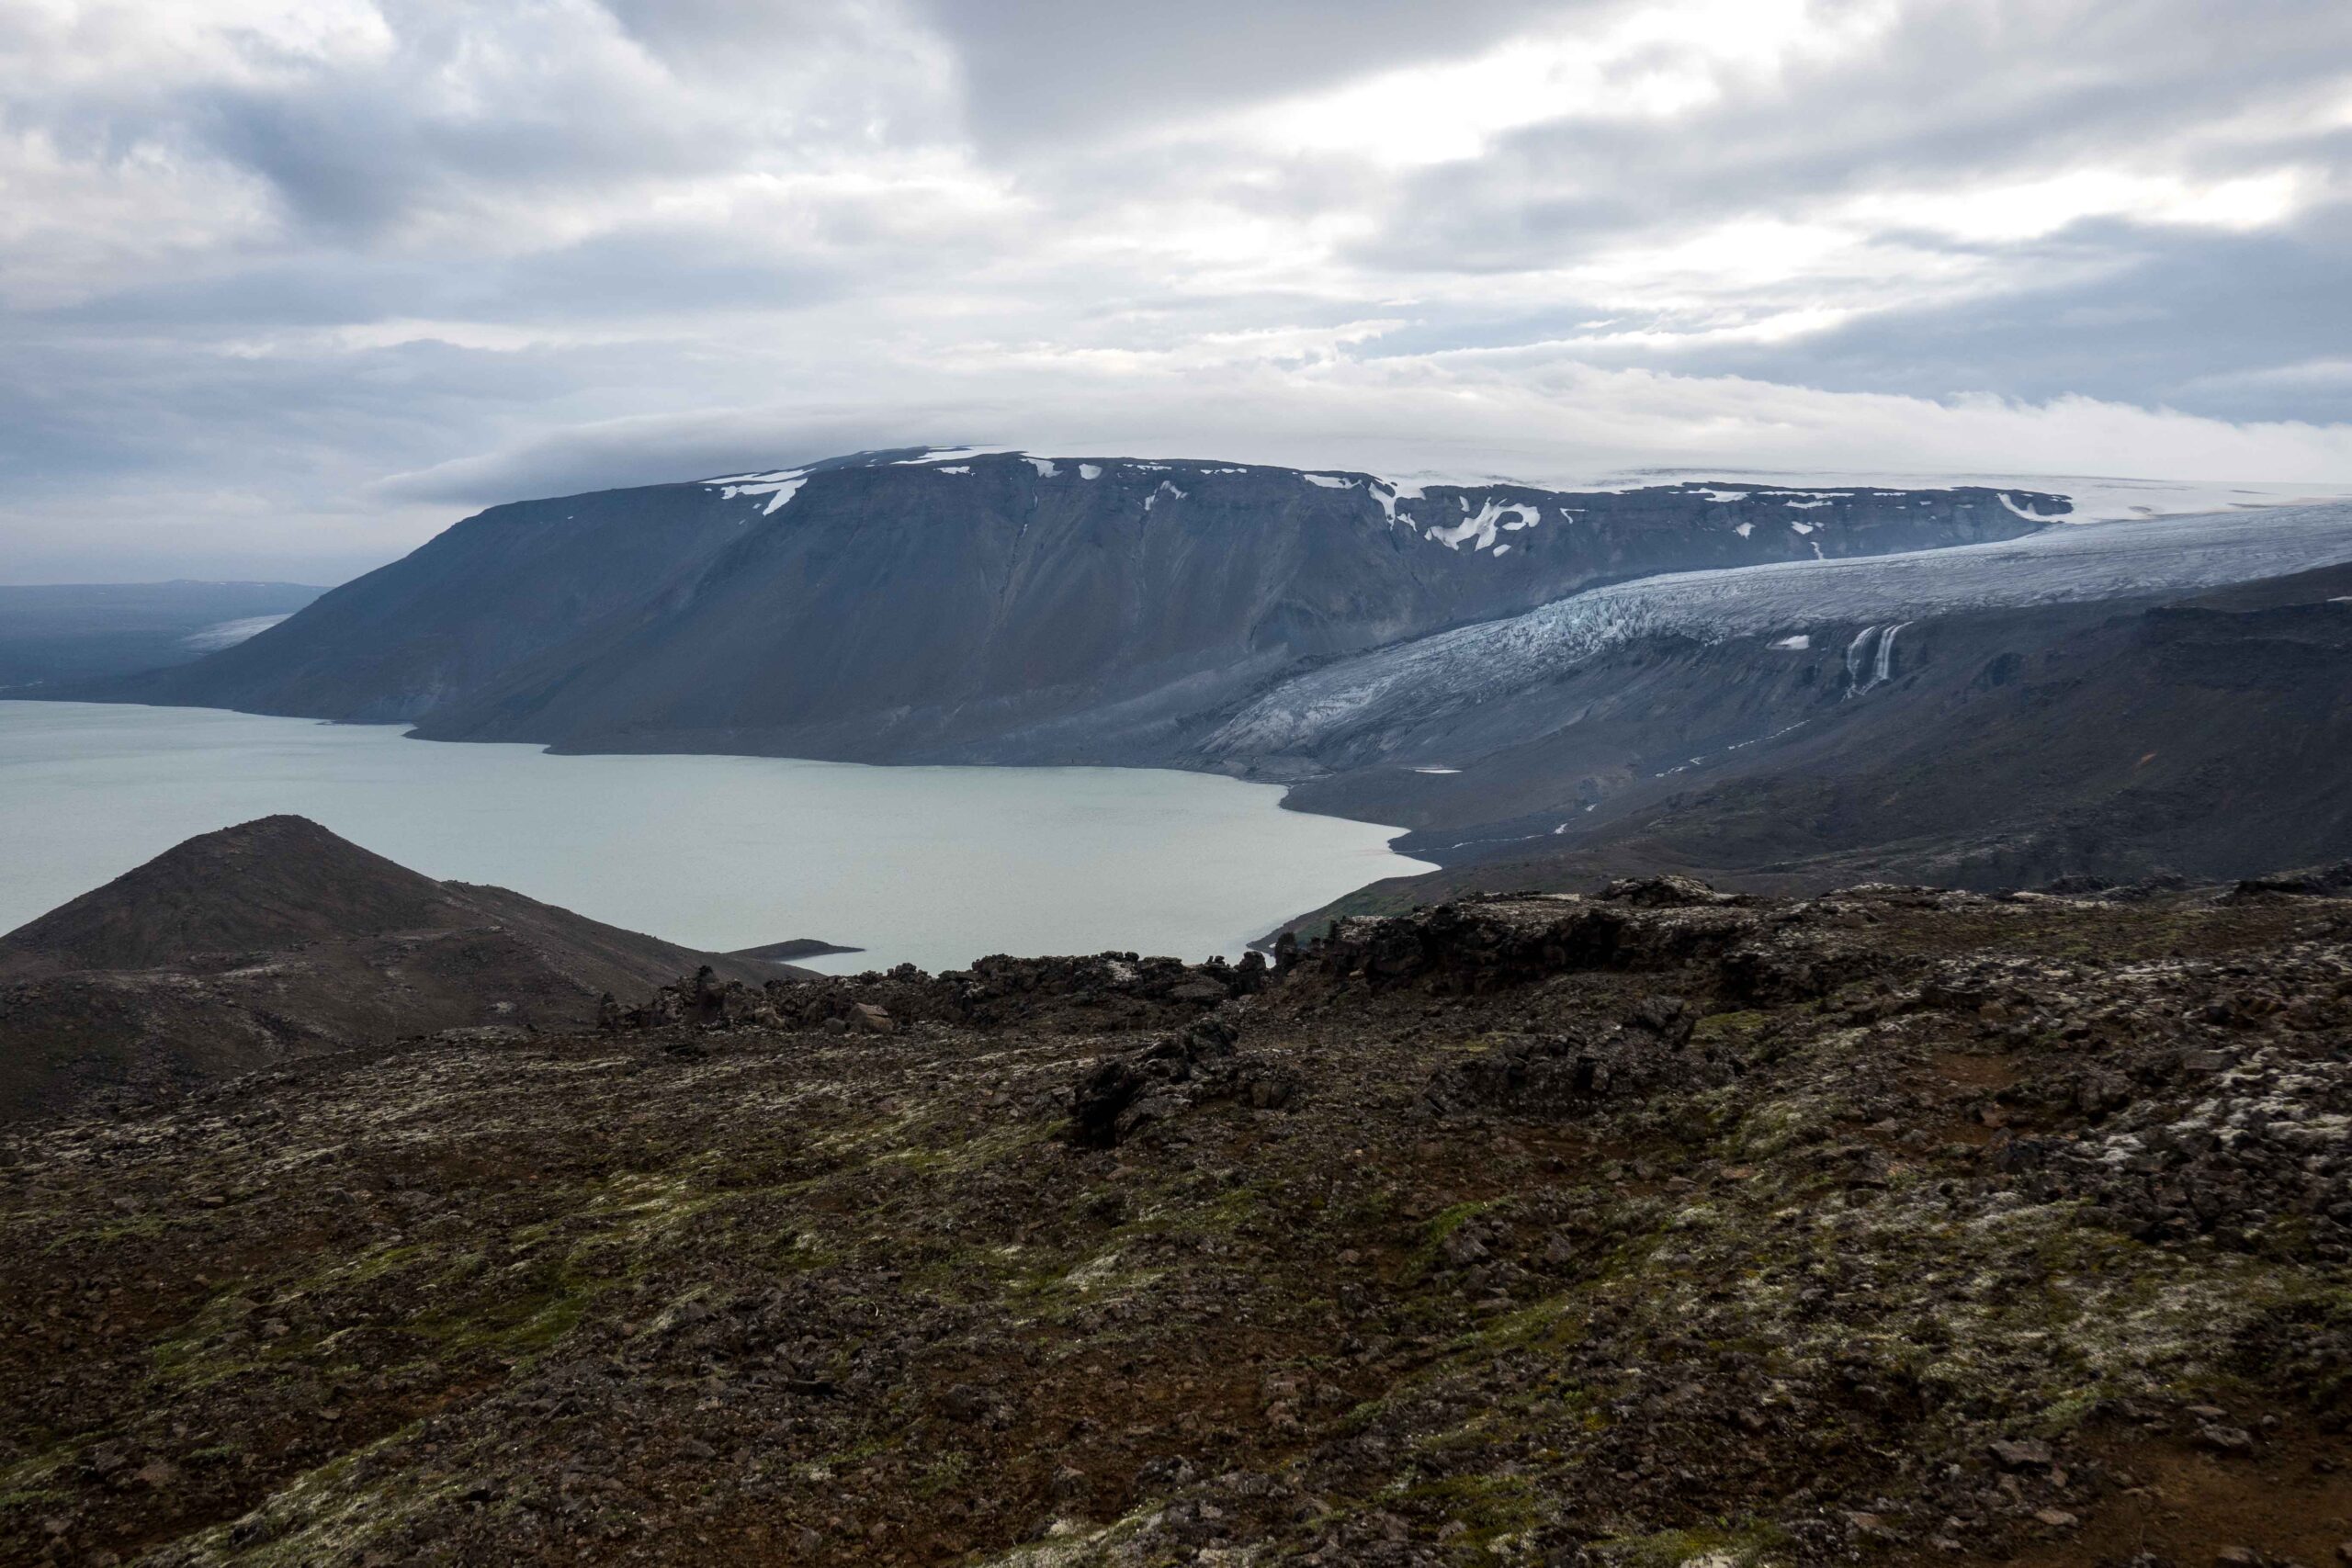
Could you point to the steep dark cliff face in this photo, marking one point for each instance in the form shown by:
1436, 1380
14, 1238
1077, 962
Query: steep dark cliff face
996, 607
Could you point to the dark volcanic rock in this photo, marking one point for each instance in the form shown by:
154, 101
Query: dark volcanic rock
1122, 1097
1483, 943
2320, 882
2017, 1240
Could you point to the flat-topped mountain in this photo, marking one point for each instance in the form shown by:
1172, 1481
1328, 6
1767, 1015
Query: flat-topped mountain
983, 606
275, 938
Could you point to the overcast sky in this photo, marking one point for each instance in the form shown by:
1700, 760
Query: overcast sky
286, 286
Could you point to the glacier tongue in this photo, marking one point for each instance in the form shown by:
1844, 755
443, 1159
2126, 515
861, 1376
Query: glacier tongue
2092, 561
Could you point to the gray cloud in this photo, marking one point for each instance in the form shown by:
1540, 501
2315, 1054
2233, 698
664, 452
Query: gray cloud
2175, 321
1048, 69
292, 284
1954, 93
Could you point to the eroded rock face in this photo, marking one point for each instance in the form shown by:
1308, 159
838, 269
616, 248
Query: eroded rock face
1510, 939
2319, 882
1754, 951
1670, 892
1121, 1098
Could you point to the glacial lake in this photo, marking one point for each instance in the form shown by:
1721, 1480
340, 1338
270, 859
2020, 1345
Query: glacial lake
936, 867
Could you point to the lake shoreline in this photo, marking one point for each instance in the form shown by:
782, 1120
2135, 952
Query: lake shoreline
717, 851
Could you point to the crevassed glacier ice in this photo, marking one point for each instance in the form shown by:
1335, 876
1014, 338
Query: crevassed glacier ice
1477, 663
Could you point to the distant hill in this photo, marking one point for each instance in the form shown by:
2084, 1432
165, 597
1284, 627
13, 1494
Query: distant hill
63, 632
983, 607
785, 952
276, 939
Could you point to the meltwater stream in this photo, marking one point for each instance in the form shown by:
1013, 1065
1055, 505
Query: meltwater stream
936, 867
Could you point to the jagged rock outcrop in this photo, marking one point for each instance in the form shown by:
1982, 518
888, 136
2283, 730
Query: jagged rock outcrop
1120, 1097
996, 992
1507, 938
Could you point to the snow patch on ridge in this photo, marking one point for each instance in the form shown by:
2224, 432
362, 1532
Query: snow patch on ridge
2028, 512
955, 455
762, 477
2095, 498
1482, 525
779, 485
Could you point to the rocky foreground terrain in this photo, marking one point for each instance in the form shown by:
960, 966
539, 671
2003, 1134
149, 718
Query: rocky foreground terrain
1653, 1228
